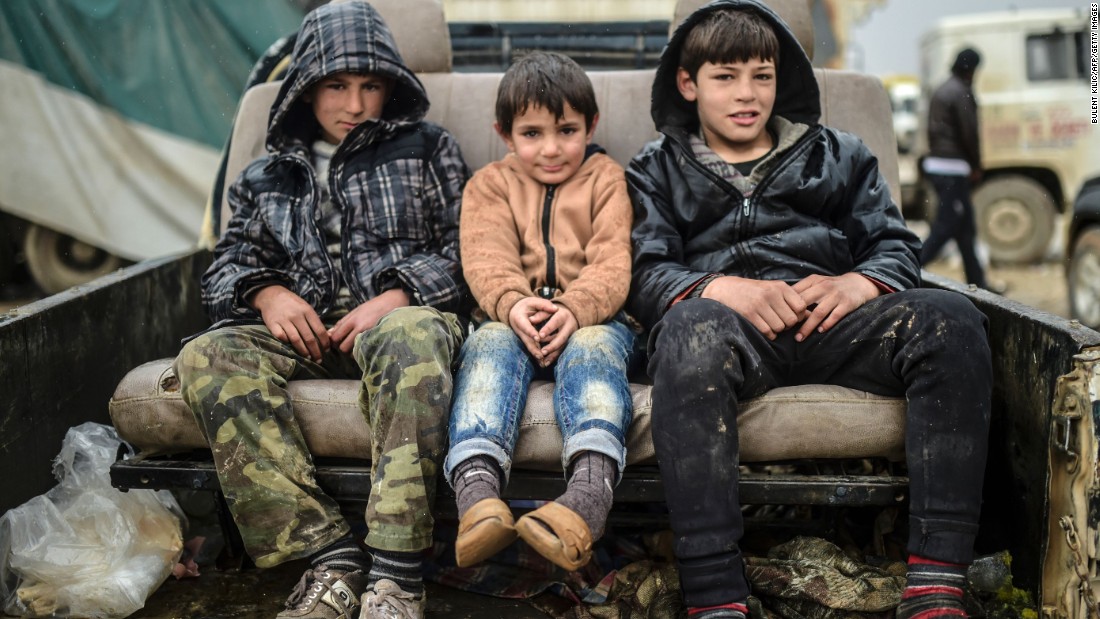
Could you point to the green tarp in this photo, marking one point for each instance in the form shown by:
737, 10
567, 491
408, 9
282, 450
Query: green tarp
177, 65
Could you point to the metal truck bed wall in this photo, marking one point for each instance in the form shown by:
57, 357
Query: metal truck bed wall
61, 358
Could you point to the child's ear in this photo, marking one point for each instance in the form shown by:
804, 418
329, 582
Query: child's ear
592, 128
685, 84
507, 137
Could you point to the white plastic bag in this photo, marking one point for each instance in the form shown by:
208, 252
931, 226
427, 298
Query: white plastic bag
85, 549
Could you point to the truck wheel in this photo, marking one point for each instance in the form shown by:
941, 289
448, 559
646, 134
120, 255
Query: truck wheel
1084, 278
58, 261
1015, 218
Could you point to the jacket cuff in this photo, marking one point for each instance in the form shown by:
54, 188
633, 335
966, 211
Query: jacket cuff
505, 304
695, 290
585, 314
884, 288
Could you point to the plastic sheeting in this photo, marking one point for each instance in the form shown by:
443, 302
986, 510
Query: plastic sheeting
113, 112
76, 167
177, 66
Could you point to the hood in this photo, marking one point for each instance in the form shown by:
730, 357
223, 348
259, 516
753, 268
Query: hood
338, 37
797, 96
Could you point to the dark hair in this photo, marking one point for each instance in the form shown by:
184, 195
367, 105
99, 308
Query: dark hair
548, 80
966, 62
729, 36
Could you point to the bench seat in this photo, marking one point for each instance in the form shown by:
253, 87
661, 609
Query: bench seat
806, 422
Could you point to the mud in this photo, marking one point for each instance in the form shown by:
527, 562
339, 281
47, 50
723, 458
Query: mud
259, 594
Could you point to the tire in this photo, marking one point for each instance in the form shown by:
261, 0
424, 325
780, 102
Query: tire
1083, 278
1015, 218
58, 261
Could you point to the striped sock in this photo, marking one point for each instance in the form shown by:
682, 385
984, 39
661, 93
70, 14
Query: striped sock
344, 554
932, 589
724, 611
404, 568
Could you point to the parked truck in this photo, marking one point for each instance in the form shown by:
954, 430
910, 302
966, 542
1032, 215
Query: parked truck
1038, 145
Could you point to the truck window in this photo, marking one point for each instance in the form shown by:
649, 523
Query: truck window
1056, 55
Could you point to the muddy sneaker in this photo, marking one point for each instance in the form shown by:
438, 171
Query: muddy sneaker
389, 601
324, 593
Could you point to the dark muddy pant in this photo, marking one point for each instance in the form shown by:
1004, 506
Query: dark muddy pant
955, 220
234, 380
930, 346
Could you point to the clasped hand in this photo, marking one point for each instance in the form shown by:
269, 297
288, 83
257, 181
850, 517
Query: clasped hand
547, 341
290, 319
818, 302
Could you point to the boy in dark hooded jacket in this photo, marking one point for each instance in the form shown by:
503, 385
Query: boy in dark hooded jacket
767, 252
340, 260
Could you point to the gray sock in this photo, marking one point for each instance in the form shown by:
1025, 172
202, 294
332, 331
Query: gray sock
475, 479
590, 490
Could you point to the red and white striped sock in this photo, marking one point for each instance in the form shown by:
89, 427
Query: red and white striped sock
723, 611
933, 589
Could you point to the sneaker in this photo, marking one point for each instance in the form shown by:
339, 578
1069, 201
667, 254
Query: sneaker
388, 601
325, 594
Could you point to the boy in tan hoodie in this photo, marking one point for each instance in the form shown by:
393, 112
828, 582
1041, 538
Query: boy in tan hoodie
545, 247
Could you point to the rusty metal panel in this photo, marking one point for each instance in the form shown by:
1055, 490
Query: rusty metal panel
1031, 350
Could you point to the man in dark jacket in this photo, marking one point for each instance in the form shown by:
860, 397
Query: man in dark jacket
340, 261
767, 252
953, 163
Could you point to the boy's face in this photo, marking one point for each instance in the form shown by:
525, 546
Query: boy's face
343, 100
734, 101
549, 149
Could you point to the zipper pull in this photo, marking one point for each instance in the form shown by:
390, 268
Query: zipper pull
745, 207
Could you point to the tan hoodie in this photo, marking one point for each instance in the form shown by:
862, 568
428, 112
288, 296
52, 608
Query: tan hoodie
504, 248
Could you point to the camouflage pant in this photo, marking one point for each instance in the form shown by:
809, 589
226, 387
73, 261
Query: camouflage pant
234, 380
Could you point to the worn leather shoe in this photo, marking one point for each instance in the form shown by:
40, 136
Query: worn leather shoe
484, 530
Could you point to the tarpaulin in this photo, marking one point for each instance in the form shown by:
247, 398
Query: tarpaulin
113, 112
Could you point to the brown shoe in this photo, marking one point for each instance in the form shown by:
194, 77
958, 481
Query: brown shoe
564, 540
485, 529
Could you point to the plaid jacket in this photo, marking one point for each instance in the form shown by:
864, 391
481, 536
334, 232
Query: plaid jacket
398, 182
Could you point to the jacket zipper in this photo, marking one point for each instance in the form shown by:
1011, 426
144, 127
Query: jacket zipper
746, 202
547, 291
329, 295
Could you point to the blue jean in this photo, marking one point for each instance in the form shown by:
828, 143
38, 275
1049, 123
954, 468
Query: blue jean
592, 400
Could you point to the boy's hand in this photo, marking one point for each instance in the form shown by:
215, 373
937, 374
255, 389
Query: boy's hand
835, 297
771, 306
523, 317
558, 330
365, 317
290, 319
